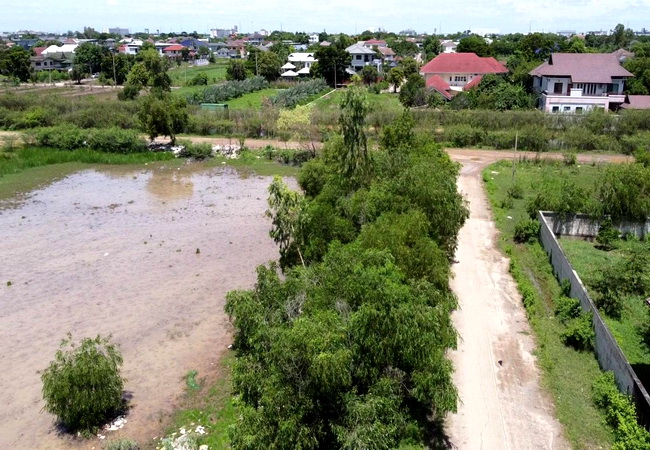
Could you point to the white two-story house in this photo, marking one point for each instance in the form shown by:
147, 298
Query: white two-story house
579, 82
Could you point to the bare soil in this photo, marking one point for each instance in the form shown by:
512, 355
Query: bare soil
115, 252
502, 405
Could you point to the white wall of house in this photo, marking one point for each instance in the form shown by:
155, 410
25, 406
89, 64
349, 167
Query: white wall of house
453, 79
358, 60
588, 89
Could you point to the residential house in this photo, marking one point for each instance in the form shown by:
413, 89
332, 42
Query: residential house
54, 49
301, 59
374, 43
313, 38
578, 82
448, 46
174, 51
361, 56
458, 70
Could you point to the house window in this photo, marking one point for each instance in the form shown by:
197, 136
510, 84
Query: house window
557, 88
578, 109
556, 109
458, 78
567, 109
359, 57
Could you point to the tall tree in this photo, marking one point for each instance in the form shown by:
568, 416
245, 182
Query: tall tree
14, 63
474, 44
331, 65
431, 47
89, 57
354, 161
236, 70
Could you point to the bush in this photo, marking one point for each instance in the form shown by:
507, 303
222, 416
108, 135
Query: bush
579, 333
533, 138
608, 235
201, 79
463, 135
500, 140
526, 230
567, 308
196, 151
515, 191
63, 137
620, 415
115, 140
83, 385
122, 444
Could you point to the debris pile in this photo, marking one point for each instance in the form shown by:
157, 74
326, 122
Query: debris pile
229, 151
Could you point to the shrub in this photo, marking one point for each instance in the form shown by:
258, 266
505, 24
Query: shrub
500, 140
63, 137
620, 415
463, 135
515, 191
201, 79
579, 333
567, 308
635, 142
533, 138
115, 140
526, 230
608, 235
83, 385
122, 444
196, 151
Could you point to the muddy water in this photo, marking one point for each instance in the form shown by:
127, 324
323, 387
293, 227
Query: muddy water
115, 252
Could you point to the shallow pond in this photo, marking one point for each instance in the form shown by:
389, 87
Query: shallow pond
114, 251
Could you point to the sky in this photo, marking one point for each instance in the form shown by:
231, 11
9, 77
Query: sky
333, 16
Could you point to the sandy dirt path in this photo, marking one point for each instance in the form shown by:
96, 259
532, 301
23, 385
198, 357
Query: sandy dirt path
115, 251
501, 403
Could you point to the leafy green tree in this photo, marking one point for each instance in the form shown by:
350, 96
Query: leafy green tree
269, 66
163, 115
413, 92
395, 76
236, 70
14, 63
117, 67
286, 210
494, 92
281, 50
640, 68
354, 160
431, 47
621, 37
331, 65
369, 74
474, 44
150, 71
83, 385
89, 57
409, 67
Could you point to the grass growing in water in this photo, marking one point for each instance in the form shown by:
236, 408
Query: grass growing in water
211, 406
22, 170
566, 373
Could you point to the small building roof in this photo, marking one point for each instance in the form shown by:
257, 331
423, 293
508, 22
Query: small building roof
173, 48
288, 66
475, 82
463, 63
386, 51
289, 73
439, 85
301, 57
582, 67
636, 102
357, 49
304, 71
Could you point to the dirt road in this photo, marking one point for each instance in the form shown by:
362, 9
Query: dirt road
502, 405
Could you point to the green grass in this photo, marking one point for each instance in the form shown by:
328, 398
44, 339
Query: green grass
567, 374
589, 261
252, 100
25, 169
211, 406
253, 163
375, 101
215, 72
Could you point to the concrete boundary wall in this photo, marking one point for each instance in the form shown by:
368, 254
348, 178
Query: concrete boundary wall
586, 226
610, 356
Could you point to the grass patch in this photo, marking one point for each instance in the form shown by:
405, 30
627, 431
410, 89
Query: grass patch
252, 100
375, 101
211, 406
215, 73
567, 374
252, 162
589, 261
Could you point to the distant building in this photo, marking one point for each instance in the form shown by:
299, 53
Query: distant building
218, 33
567, 33
119, 31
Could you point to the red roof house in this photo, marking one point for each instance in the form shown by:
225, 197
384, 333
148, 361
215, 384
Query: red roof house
439, 85
173, 50
460, 69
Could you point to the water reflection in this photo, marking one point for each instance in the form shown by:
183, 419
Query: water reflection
168, 183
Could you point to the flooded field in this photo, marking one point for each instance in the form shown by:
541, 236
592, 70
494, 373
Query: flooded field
144, 254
